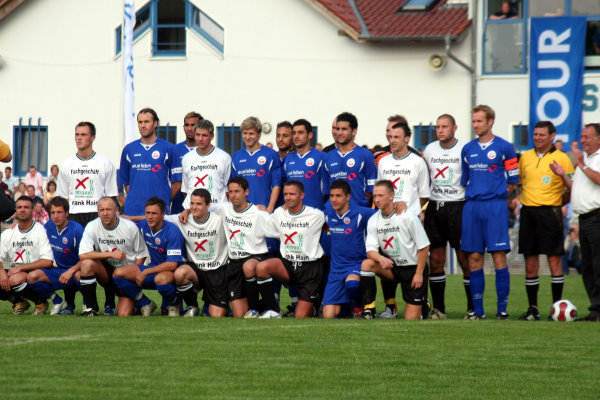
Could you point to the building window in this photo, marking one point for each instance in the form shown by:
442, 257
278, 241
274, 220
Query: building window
424, 134
504, 49
230, 138
520, 137
168, 133
315, 138
208, 29
169, 32
142, 24
30, 148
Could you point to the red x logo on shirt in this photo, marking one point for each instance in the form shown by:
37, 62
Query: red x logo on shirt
441, 172
233, 233
288, 238
200, 246
81, 182
394, 182
388, 243
20, 255
200, 180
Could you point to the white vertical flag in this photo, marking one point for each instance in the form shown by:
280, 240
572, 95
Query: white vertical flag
128, 90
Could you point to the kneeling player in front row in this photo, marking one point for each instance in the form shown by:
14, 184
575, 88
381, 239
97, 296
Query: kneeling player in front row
165, 245
299, 228
205, 269
108, 242
23, 248
404, 247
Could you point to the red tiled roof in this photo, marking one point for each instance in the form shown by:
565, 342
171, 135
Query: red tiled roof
385, 20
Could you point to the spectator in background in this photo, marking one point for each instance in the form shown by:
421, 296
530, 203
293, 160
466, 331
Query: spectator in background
572, 250
319, 146
21, 191
30, 191
10, 180
53, 177
50, 193
559, 144
34, 178
506, 12
572, 154
39, 212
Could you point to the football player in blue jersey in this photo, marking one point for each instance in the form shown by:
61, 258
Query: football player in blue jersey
180, 150
146, 167
259, 164
352, 162
165, 245
64, 236
347, 227
490, 171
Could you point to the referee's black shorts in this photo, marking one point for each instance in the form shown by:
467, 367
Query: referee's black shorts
541, 231
443, 221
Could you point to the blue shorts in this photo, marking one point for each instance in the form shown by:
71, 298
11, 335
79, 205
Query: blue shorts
485, 226
53, 274
335, 289
149, 280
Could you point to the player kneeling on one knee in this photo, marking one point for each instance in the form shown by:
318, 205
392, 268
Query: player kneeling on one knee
397, 249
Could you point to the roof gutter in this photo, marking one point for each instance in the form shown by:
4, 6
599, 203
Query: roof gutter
364, 29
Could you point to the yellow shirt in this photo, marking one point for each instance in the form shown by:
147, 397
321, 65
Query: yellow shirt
541, 186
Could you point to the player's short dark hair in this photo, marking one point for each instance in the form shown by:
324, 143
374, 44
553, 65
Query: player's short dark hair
595, 126
193, 114
25, 198
487, 110
348, 117
296, 183
205, 194
341, 184
240, 180
448, 117
284, 124
89, 125
59, 202
156, 201
546, 124
397, 118
405, 128
148, 110
302, 122
206, 125
386, 184
8, 168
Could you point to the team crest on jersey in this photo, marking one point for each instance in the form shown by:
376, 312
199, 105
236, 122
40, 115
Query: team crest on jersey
65, 240
350, 163
346, 220
546, 179
261, 160
155, 154
157, 240
491, 154
310, 162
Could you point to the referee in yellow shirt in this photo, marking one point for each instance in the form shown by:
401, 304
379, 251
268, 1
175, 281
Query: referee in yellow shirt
541, 226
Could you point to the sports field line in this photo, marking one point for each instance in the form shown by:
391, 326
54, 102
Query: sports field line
17, 342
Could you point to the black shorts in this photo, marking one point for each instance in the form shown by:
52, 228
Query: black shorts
235, 275
110, 269
443, 221
404, 276
306, 276
83, 218
541, 231
213, 284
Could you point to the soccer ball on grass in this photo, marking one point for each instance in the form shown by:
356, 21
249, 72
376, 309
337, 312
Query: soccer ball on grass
563, 310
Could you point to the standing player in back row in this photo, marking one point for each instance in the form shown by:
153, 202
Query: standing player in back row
443, 216
490, 171
541, 227
351, 162
146, 167
179, 151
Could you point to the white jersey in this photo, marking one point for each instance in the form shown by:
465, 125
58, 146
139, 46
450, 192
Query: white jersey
299, 233
85, 181
409, 176
23, 247
205, 241
399, 237
445, 170
206, 171
125, 236
246, 230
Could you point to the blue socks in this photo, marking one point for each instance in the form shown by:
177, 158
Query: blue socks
168, 292
353, 292
43, 288
502, 288
477, 288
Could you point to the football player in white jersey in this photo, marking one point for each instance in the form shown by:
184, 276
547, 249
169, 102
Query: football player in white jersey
108, 242
397, 249
208, 167
443, 216
23, 248
299, 230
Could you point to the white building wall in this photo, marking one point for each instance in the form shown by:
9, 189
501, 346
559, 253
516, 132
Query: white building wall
283, 60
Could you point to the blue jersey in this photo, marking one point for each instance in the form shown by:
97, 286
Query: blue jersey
262, 170
65, 244
308, 168
357, 168
164, 245
146, 169
180, 150
486, 171
348, 233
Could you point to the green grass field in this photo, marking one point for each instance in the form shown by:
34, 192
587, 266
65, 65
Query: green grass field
56, 357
